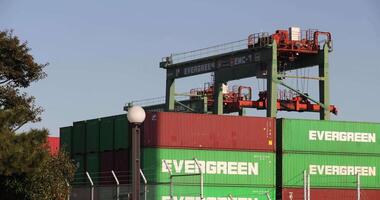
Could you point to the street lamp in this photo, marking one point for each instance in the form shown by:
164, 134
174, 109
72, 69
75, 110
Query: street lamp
136, 116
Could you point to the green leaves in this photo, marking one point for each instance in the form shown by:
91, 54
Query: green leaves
17, 66
27, 170
16, 108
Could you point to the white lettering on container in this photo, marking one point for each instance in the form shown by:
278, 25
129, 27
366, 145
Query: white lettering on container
342, 170
342, 136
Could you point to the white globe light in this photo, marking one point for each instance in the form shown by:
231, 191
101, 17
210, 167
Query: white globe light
136, 114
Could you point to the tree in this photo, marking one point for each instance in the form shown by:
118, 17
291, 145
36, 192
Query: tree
17, 70
27, 170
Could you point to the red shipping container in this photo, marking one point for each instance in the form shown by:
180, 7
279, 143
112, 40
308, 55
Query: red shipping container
53, 145
203, 131
122, 166
106, 166
324, 194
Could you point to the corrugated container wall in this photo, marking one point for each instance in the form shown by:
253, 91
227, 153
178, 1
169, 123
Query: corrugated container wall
122, 136
93, 166
220, 167
161, 192
201, 131
122, 166
106, 165
330, 171
329, 136
92, 135
326, 194
79, 137
65, 135
106, 133
53, 145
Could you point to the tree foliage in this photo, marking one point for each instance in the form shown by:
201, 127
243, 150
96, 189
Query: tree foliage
27, 170
17, 66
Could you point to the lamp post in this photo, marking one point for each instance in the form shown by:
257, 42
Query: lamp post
136, 116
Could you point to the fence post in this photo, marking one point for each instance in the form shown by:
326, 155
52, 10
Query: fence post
268, 195
145, 183
68, 189
117, 185
358, 186
92, 185
201, 173
171, 179
308, 186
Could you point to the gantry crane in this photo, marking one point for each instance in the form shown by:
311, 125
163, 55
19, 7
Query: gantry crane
263, 55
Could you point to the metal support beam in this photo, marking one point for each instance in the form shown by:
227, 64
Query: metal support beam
205, 105
218, 96
324, 87
271, 83
170, 94
242, 112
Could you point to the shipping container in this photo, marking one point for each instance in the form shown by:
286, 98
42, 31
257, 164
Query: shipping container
92, 135
219, 167
122, 166
122, 137
53, 145
328, 136
334, 171
202, 131
326, 194
186, 192
106, 166
93, 166
106, 133
79, 137
65, 135
80, 177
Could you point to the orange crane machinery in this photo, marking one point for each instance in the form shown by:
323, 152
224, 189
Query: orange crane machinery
241, 97
293, 42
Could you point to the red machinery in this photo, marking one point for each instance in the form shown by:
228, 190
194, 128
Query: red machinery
240, 97
292, 43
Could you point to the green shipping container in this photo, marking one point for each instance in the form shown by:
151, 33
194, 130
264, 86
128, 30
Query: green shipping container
79, 137
219, 167
80, 177
181, 192
328, 136
106, 133
93, 166
65, 135
92, 135
330, 171
122, 138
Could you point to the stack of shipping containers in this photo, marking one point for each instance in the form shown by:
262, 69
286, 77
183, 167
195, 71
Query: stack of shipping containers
241, 157
98, 146
333, 153
236, 154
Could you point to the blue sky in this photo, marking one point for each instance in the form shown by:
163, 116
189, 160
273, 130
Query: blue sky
103, 54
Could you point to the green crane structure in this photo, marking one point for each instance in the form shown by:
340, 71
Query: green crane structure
266, 56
